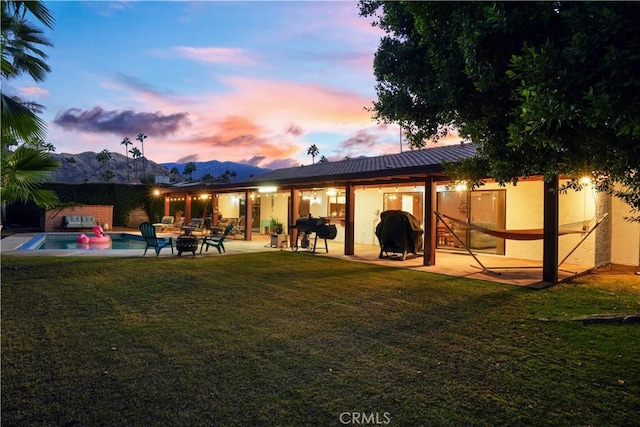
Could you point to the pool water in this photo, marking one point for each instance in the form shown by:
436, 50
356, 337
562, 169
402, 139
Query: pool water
68, 241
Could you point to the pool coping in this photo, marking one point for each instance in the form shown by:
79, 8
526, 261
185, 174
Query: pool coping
33, 242
10, 246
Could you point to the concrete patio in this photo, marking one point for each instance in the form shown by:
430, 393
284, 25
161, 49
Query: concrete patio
451, 263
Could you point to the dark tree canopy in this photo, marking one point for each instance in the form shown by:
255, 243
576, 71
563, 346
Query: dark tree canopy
543, 88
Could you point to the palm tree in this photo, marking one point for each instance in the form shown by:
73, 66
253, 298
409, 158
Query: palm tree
228, 175
174, 173
141, 137
313, 151
189, 169
126, 142
24, 168
103, 157
21, 53
136, 154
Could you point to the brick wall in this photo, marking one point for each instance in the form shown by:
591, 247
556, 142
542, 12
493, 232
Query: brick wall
102, 213
137, 217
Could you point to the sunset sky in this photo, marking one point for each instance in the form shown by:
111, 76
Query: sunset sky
251, 82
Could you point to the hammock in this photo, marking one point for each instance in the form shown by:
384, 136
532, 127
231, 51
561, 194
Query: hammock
582, 227
529, 234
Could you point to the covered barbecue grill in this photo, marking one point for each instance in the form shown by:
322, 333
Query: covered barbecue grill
398, 232
318, 227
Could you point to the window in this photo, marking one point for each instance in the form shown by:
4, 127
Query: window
408, 202
336, 203
486, 208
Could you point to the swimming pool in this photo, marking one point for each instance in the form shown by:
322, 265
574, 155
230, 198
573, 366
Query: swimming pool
61, 241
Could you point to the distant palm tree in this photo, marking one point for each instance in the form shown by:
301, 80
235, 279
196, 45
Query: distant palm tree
313, 151
136, 154
189, 169
103, 157
174, 173
141, 137
107, 175
41, 145
228, 175
323, 159
126, 142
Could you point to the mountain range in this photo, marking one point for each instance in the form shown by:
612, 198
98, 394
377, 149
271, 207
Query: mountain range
86, 167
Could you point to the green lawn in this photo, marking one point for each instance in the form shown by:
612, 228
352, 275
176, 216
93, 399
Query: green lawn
290, 339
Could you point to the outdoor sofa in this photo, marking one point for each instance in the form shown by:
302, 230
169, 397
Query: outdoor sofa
78, 221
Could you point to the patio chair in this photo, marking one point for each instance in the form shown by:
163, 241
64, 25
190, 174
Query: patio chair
176, 226
165, 223
217, 240
149, 234
196, 224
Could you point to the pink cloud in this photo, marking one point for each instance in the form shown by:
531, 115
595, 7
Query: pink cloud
33, 92
254, 119
320, 108
215, 55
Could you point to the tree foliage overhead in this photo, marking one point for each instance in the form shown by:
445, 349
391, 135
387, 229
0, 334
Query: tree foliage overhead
549, 88
24, 168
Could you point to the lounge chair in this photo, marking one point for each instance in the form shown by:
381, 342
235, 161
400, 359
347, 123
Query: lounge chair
149, 234
176, 226
196, 224
217, 240
164, 224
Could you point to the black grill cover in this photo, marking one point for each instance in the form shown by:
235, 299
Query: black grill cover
309, 224
400, 232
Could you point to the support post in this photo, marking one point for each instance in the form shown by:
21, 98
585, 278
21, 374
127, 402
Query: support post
550, 233
167, 205
248, 219
187, 208
430, 222
349, 220
294, 213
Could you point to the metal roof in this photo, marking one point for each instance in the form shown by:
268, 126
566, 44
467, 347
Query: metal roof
407, 165
415, 161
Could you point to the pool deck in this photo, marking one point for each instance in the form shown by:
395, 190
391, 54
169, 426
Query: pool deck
450, 263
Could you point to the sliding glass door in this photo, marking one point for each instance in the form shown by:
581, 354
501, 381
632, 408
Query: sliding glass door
485, 208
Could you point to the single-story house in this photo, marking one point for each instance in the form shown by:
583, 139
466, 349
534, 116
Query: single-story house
353, 192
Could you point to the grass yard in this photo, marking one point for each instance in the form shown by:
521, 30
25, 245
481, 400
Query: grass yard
290, 339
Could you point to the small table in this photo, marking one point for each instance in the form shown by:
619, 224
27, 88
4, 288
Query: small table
186, 230
279, 241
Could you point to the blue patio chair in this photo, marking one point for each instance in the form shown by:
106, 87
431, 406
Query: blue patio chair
217, 240
149, 234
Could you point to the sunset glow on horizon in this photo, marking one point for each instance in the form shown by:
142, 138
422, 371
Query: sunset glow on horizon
252, 82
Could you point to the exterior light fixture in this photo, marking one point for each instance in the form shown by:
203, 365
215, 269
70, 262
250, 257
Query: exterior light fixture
267, 189
461, 186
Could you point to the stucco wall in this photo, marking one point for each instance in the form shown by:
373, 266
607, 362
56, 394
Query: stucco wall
369, 204
625, 235
524, 206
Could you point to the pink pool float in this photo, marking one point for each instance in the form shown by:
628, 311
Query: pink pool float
99, 238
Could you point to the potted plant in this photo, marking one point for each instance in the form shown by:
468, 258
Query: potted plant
276, 226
